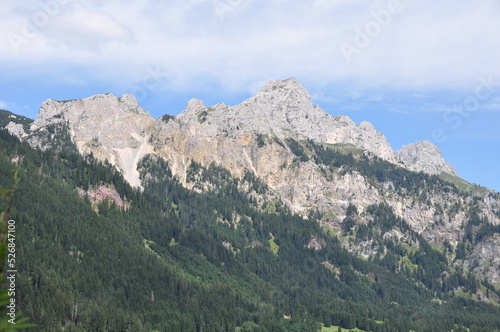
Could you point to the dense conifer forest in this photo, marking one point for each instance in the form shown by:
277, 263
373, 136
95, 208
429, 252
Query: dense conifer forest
225, 259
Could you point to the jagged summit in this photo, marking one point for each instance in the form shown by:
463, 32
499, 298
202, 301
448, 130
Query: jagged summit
282, 104
195, 105
118, 129
278, 104
284, 108
283, 84
288, 91
286, 99
95, 107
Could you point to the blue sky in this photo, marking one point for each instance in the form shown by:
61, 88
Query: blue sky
415, 69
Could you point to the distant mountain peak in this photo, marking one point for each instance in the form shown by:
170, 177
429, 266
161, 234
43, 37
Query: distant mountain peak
96, 106
195, 105
424, 156
129, 99
283, 87
286, 94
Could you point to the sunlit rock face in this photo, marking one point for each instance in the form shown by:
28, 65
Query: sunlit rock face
424, 156
111, 128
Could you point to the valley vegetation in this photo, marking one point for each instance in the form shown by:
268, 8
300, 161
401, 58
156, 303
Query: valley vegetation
222, 256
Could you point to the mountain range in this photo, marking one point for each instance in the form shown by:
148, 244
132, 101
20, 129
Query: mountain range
407, 211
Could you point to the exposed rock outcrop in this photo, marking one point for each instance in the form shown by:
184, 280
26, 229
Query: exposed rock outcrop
282, 108
109, 127
103, 193
424, 156
16, 129
485, 260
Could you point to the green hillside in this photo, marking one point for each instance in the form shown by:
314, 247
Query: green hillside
178, 260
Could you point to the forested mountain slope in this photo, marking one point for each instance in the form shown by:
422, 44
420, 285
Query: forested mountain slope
271, 215
178, 260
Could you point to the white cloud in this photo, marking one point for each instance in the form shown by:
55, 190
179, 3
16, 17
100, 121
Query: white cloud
427, 45
80, 27
491, 107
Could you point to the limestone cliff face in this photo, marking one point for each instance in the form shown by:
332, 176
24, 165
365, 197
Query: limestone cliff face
17, 125
16, 129
228, 136
485, 260
286, 105
249, 136
424, 156
109, 127
283, 108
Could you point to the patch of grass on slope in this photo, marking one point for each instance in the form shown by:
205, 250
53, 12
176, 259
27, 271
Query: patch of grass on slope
462, 185
333, 328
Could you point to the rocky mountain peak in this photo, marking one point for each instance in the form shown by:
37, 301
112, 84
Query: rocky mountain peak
193, 111
288, 96
424, 156
90, 108
282, 106
195, 105
129, 100
289, 89
110, 127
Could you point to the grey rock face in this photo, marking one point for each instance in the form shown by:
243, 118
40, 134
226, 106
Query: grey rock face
284, 108
16, 129
424, 156
116, 128
109, 127
485, 260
